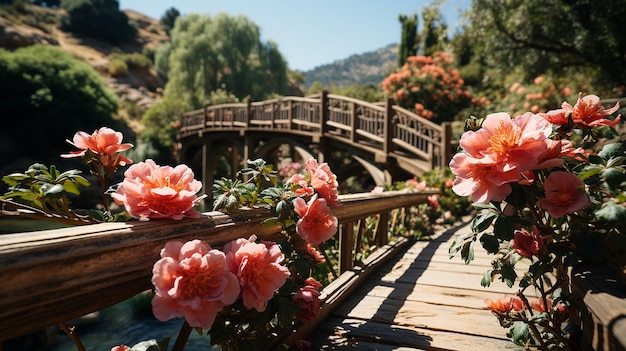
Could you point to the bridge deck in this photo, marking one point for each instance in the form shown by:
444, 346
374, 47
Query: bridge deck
420, 300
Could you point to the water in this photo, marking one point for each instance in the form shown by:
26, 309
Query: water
124, 324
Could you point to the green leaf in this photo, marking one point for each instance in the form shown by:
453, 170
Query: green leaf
487, 278
483, 220
458, 242
611, 150
519, 333
589, 171
612, 212
504, 228
490, 243
508, 274
467, 252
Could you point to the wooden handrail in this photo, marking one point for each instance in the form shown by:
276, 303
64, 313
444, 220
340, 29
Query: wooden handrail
384, 129
57, 275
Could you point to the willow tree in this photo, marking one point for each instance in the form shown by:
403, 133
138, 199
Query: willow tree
210, 58
224, 52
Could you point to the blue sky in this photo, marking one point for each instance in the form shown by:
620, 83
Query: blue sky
313, 33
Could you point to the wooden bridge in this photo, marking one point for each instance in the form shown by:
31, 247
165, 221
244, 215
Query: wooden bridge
405, 295
382, 140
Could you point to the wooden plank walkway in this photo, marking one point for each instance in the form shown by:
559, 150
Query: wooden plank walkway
419, 300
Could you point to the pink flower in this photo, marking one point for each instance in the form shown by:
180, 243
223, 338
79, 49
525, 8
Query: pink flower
104, 141
415, 184
505, 304
501, 152
121, 348
152, 191
527, 243
299, 185
308, 300
316, 224
588, 112
433, 201
480, 179
193, 281
565, 193
539, 306
378, 190
258, 268
323, 180
313, 254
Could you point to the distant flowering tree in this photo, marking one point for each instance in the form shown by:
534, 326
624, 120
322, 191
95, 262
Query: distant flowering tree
429, 86
546, 193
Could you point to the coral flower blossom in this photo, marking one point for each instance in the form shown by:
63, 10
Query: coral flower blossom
192, 281
258, 268
527, 243
300, 186
152, 191
505, 304
323, 180
588, 112
316, 224
564, 194
308, 300
539, 306
104, 141
121, 348
480, 179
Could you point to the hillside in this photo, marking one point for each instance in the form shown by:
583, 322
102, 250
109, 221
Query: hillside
139, 90
39, 25
361, 69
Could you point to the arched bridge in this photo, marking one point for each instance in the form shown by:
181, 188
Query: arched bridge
377, 143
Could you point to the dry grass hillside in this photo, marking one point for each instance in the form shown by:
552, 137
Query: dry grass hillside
137, 90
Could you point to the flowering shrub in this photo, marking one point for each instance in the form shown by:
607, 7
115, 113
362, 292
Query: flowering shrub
244, 294
550, 190
430, 86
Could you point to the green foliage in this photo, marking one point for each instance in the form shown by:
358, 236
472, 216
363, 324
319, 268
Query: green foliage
369, 93
160, 123
118, 68
222, 52
408, 42
530, 35
51, 96
134, 60
169, 19
100, 19
435, 31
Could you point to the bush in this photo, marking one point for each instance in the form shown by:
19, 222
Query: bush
100, 19
118, 68
429, 86
51, 96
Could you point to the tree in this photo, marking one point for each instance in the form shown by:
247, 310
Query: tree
100, 19
210, 54
169, 19
435, 31
222, 52
409, 41
51, 96
552, 35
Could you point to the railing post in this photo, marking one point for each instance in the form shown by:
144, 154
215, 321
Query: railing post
446, 145
324, 111
346, 243
248, 113
353, 122
389, 126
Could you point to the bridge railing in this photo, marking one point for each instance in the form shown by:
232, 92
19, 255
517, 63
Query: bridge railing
382, 128
57, 275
